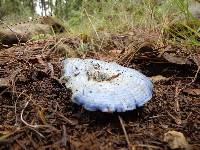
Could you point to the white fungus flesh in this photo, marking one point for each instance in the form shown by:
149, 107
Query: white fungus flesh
106, 86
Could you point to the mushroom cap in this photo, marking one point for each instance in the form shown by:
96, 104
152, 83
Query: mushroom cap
106, 86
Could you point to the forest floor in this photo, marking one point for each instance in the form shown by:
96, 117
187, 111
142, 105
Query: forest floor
36, 111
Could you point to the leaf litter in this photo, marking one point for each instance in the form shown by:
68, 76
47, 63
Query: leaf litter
37, 112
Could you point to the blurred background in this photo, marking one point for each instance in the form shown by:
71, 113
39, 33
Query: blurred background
103, 13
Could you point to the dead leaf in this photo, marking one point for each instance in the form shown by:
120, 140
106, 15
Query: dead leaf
176, 140
115, 51
176, 59
194, 92
159, 78
4, 134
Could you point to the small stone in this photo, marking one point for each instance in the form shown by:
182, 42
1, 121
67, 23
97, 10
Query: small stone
176, 140
4, 82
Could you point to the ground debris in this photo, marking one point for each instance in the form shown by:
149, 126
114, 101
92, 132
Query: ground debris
52, 121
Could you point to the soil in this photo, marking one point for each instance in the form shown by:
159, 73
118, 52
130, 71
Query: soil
37, 112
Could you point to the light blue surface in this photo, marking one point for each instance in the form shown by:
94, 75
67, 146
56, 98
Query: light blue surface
108, 87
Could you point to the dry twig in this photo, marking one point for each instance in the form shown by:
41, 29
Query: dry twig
130, 146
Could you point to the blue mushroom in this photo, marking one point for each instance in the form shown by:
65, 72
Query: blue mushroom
106, 86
